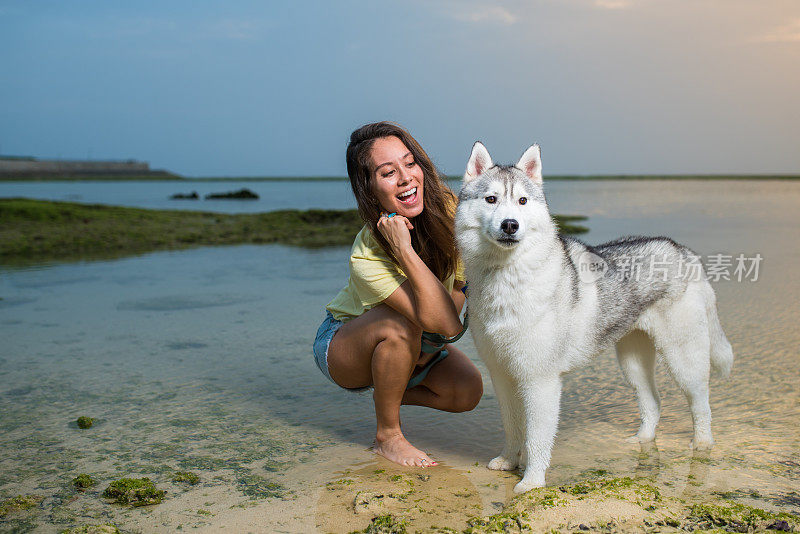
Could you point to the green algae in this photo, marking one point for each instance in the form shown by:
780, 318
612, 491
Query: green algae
19, 503
657, 510
336, 484
134, 491
385, 524
207, 463
614, 486
84, 422
734, 515
83, 481
260, 488
92, 529
187, 477
502, 522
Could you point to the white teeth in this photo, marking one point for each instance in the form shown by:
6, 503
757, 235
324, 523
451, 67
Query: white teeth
407, 193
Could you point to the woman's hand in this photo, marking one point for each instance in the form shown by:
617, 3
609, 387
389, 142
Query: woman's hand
396, 231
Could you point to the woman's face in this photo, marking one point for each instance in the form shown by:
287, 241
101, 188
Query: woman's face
397, 179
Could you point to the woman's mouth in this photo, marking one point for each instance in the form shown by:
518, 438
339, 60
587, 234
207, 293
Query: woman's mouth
408, 197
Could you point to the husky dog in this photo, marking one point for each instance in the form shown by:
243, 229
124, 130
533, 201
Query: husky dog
541, 304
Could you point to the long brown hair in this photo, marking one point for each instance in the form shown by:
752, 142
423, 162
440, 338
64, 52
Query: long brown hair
432, 236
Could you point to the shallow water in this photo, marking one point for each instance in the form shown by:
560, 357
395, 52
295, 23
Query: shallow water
273, 195
200, 360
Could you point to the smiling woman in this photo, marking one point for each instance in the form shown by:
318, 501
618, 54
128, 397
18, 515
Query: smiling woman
387, 327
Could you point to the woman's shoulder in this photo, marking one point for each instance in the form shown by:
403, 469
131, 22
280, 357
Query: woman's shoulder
366, 246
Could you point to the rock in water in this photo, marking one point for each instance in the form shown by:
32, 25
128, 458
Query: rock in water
241, 194
182, 196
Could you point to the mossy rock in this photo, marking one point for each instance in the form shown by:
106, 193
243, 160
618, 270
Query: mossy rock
84, 422
134, 491
83, 481
187, 477
18, 503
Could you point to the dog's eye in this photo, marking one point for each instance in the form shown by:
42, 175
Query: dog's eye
523, 200
491, 200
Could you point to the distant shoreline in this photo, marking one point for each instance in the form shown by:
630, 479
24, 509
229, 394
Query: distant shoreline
561, 177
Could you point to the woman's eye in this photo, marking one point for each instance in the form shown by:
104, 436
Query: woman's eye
411, 164
491, 200
388, 174
523, 200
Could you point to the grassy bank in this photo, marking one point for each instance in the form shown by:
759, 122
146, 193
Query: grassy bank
39, 231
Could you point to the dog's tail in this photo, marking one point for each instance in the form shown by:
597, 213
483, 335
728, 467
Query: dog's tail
721, 351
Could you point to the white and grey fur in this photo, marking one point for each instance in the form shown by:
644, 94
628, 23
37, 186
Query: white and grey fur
533, 315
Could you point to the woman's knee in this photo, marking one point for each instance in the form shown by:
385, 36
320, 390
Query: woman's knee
398, 329
468, 393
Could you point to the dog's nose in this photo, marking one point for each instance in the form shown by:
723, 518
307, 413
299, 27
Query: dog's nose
509, 226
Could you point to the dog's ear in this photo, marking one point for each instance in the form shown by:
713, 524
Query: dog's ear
479, 161
531, 164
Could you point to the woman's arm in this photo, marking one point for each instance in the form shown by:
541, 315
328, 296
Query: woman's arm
421, 298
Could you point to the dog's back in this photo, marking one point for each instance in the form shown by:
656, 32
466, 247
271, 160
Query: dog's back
630, 275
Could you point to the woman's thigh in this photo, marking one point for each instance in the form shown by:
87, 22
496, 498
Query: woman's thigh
351, 349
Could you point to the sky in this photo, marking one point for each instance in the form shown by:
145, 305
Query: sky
264, 88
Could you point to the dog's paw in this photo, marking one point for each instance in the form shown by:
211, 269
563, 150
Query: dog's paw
641, 438
702, 445
528, 484
501, 464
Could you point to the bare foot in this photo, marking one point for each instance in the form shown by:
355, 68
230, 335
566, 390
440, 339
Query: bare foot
397, 449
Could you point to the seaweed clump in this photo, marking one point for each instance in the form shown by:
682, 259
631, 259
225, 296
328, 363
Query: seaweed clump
134, 491
20, 502
186, 476
386, 524
737, 517
83, 481
85, 422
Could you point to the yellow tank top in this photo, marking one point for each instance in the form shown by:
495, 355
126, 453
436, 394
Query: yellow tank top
373, 277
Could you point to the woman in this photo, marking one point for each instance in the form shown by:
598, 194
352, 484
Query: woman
405, 279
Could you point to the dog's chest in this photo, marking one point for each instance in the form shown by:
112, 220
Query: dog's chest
508, 310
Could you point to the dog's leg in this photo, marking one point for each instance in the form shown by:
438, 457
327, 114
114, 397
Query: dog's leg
637, 359
689, 371
513, 424
686, 347
541, 397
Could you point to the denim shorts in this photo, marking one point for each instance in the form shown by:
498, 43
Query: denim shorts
330, 326
323, 340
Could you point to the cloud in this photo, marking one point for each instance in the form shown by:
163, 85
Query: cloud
613, 4
485, 14
788, 33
